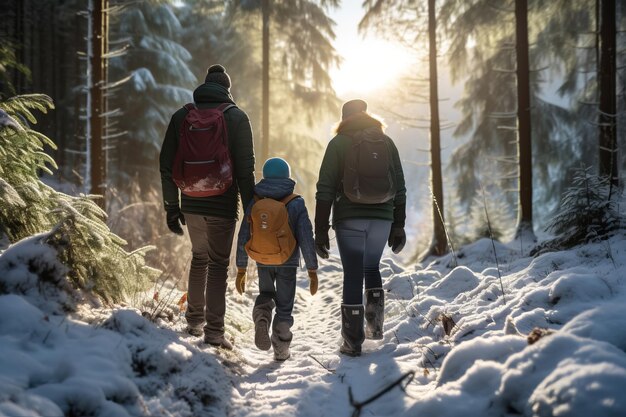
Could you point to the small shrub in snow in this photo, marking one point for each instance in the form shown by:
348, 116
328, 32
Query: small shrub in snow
32, 269
491, 218
587, 212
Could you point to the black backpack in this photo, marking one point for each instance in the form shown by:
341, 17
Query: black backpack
369, 174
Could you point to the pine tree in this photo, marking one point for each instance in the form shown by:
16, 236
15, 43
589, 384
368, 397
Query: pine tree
74, 226
608, 90
301, 55
586, 213
489, 104
158, 78
382, 15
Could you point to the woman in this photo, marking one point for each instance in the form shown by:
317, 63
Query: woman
361, 177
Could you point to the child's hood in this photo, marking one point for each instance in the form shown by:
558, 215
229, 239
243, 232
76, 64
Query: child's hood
276, 188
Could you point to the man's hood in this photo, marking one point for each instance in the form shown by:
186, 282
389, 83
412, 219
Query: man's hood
276, 188
212, 93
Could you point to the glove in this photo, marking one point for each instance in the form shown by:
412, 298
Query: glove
173, 217
240, 281
322, 244
397, 239
322, 216
312, 281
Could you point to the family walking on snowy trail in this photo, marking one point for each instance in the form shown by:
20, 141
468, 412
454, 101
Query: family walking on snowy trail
207, 162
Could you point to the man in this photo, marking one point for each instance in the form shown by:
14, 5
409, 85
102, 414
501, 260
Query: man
210, 220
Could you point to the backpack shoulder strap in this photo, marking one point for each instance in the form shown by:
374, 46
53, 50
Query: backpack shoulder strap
289, 198
225, 106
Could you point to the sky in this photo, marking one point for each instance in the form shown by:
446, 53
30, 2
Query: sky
369, 61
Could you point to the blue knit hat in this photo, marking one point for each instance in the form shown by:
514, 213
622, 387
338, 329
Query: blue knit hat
276, 168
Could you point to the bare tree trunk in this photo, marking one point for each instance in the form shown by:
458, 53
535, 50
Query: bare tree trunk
266, 81
96, 119
20, 34
525, 215
439, 243
608, 99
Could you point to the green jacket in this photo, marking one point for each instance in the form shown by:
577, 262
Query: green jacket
331, 174
240, 143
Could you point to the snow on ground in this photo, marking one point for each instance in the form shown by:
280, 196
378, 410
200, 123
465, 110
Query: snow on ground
447, 324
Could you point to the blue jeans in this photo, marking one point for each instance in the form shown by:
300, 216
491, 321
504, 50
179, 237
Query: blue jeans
361, 243
279, 284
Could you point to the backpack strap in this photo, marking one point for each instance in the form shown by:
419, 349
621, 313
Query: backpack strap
222, 107
289, 198
225, 106
285, 200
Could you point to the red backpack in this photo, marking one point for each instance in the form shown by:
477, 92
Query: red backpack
202, 166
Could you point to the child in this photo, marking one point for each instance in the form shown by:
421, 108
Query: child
277, 278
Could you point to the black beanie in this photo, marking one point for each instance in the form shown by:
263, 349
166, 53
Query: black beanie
217, 74
352, 107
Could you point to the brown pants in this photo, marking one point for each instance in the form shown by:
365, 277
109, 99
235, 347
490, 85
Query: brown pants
211, 240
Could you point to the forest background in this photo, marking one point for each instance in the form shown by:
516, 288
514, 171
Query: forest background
157, 52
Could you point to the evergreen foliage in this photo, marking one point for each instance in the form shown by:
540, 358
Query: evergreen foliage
94, 255
9, 62
158, 80
489, 102
586, 213
500, 222
301, 93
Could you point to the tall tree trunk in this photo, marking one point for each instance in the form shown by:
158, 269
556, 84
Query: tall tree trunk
608, 99
266, 80
20, 34
439, 244
524, 143
96, 116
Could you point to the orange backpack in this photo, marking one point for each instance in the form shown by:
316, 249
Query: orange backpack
271, 239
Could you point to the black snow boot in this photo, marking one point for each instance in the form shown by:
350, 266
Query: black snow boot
281, 339
352, 329
262, 317
374, 313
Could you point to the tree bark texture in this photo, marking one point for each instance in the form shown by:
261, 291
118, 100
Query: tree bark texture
439, 244
265, 142
97, 120
524, 143
608, 98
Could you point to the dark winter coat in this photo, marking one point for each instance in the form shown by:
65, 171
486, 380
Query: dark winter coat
240, 143
331, 175
279, 188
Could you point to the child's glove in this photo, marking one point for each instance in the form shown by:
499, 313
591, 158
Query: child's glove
312, 281
240, 281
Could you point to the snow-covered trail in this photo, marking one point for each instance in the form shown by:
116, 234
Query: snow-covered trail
482, 366
113, 361
315, 380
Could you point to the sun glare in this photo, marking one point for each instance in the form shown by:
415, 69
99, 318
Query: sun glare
369, 65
